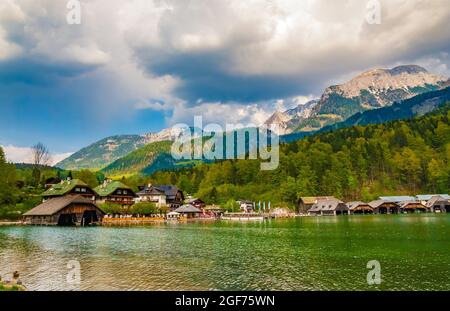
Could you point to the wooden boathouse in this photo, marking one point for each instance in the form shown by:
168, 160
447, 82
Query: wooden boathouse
70, 210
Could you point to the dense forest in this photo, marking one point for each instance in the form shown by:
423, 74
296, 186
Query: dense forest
358, 163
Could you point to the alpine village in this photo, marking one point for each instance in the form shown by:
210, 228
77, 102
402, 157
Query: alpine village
386, 151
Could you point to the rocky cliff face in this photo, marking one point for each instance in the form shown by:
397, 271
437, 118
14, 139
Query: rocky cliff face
370, 90
289, 119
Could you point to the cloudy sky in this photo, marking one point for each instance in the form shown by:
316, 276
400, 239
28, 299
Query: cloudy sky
140, 65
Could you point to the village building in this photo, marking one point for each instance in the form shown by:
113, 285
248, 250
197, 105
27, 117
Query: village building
64, 211
173, 216
424, 198
412, 207
304, 204
384, 207
70, 187
438, 204
246, 206
327, 207
358, 207
115, 192
189, 211
164, 195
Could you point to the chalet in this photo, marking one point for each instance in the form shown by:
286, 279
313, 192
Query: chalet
164, 195
69, 187
189, 211
64, 211
246, 206
326, 207
115, 192
384, 207
306, 203
358, 207
438, 204
412, 207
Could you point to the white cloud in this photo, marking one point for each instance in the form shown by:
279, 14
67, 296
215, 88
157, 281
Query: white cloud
16, 154
222, 113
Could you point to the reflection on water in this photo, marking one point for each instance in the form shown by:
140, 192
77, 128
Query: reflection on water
312, 253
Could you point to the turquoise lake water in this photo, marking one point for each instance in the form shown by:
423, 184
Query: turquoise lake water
308, 253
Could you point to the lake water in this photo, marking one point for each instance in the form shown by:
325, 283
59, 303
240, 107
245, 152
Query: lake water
308, 253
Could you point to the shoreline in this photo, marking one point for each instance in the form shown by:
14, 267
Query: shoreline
10, 223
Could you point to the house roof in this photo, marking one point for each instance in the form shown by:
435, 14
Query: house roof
52, 206
64, 187
312, 200
397, 199
357, 204
109, 187
436, 200
426, 197
187, 208
327, 205
378, 203
412, 204
168, 190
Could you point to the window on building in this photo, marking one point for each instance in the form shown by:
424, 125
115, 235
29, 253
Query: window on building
125, 192
83, 189
77, 189
119, 191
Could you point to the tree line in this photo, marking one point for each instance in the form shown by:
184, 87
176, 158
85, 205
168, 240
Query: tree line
357, 163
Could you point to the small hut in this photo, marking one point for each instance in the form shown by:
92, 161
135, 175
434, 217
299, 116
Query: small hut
173, 216
64, 211
412, 207
438, 204
358, 207
384, 207
189, 211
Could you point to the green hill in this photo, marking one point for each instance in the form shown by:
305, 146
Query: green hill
146, 159
103, 152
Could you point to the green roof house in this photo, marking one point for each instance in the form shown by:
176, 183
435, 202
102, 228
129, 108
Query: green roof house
69, 187
115, 192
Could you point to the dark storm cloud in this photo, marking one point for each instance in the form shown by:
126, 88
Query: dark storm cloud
204, 77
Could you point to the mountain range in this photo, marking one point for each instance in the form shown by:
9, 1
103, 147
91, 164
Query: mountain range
372, 97
370, 90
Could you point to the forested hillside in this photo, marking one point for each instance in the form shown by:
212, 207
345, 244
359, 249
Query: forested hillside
361, 162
